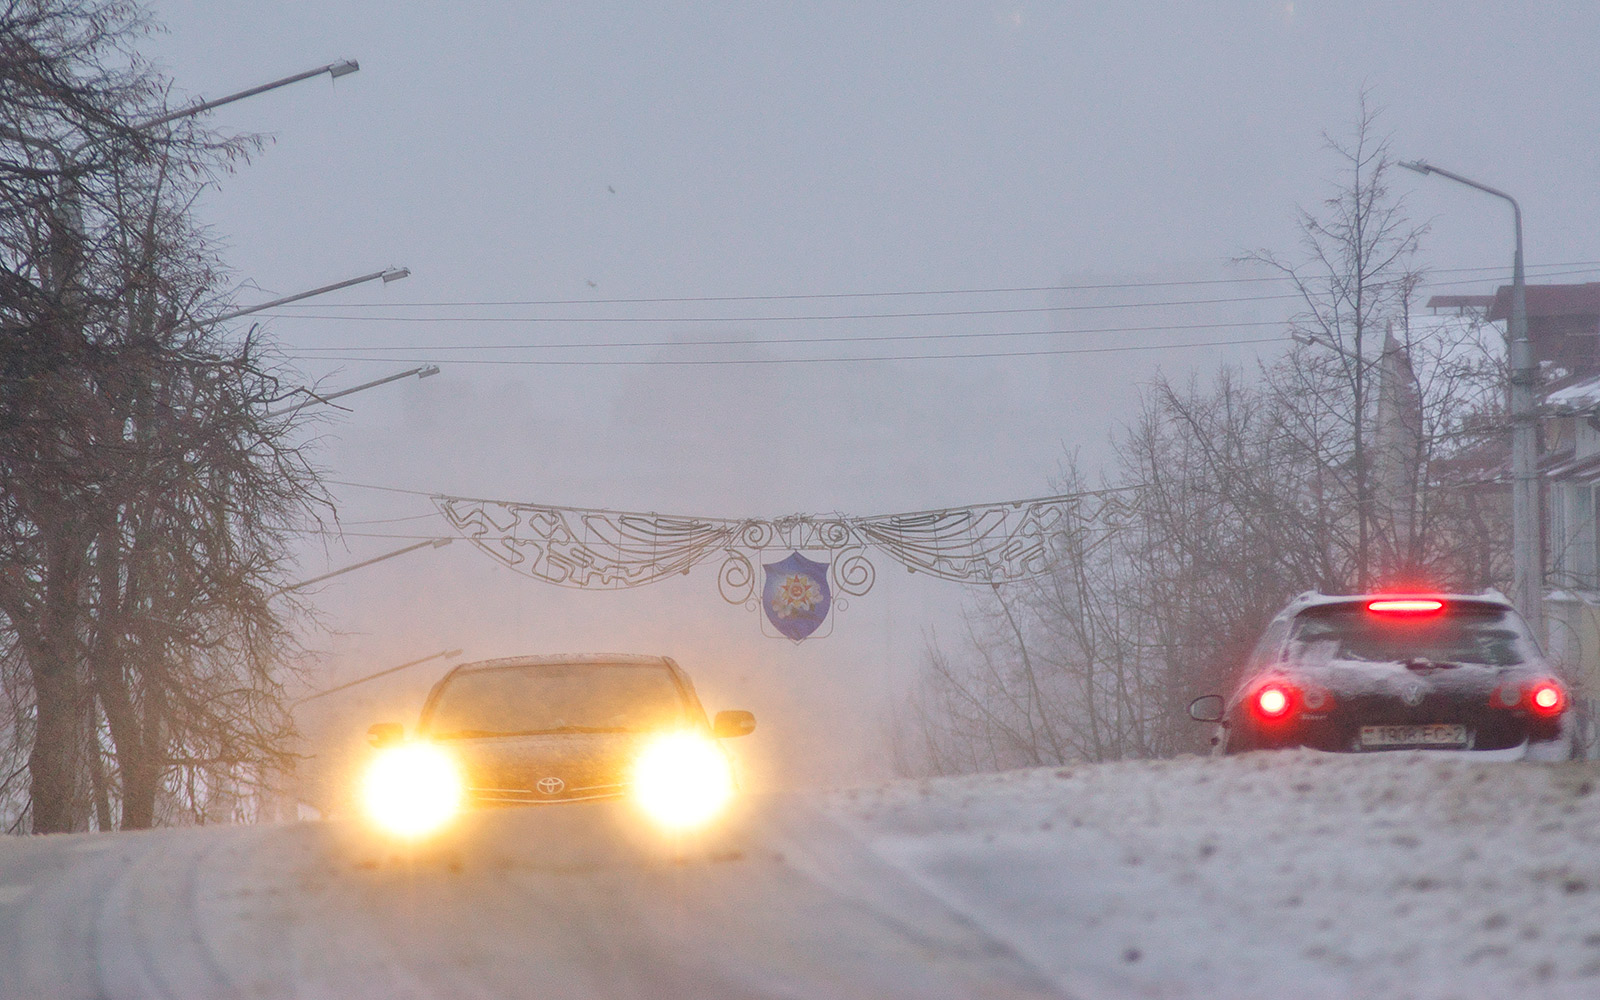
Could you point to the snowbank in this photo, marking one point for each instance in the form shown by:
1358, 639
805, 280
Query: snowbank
1273, 874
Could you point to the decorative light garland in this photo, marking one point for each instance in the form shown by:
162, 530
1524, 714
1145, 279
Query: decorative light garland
597, 549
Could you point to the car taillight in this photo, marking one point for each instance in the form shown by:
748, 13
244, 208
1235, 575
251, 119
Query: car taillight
1547, 698
1273, 700
1405, 605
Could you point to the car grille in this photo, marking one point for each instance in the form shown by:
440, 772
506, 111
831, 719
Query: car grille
521, 796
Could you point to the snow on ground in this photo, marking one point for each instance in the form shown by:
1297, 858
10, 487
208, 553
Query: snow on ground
1274, 874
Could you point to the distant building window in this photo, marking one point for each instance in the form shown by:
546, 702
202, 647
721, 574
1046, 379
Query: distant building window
1557, 520
1583, 540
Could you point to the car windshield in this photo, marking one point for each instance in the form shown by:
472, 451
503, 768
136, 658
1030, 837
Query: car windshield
1457, 635
557, 698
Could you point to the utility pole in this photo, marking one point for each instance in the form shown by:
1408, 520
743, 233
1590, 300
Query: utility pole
1527, 583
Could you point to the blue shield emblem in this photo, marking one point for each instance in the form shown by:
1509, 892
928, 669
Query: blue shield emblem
795, 595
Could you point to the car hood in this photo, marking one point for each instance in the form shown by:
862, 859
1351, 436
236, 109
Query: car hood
585, 764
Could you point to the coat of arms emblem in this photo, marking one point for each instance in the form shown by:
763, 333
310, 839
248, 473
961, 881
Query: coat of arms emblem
796, 597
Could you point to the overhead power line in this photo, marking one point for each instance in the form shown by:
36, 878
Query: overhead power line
816, 318
383, 489
384, 520
823, 361
903, 293
770, 341
828, 317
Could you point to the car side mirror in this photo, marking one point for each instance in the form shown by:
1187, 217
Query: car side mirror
1207, 708
734, 723
385, 734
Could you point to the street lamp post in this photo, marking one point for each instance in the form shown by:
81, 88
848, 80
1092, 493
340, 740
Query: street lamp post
1527, 558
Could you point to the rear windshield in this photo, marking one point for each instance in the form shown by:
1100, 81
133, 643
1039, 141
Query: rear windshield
1486, 635
557, 698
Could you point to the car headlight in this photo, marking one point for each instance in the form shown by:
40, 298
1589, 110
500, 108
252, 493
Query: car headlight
412, 790
682, 780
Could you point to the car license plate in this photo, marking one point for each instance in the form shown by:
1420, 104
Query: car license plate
1434, 735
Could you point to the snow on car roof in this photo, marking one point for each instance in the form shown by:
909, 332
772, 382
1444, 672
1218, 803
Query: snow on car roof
1313, 599
551, 659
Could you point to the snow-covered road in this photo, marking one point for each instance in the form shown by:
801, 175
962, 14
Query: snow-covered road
1270, 875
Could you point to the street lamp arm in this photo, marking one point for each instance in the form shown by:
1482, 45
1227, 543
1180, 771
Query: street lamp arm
447, 654
1312, 340
1424, 167
334, 70
387, 274
68, 157
432, 542
422, 371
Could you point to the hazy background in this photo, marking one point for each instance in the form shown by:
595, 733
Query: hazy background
583, 152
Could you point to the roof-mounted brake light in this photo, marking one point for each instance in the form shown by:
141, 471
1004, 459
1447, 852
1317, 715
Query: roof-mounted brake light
1405, 605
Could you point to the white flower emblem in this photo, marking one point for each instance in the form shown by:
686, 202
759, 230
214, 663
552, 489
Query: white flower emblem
796, 594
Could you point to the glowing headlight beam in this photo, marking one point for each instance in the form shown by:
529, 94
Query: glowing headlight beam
412, 790
682, 780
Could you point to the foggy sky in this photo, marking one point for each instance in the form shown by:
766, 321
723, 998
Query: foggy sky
519, 151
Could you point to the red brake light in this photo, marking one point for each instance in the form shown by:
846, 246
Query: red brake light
1547, 698
1273, 701
1405, 605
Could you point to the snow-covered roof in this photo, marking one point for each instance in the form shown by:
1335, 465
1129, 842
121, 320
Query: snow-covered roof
1424, 326
1579, 397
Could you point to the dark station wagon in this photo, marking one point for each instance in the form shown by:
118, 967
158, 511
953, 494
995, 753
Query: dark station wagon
1379, 672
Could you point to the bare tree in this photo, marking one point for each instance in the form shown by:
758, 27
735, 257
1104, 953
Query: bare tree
146, 496
1358, 458
1355, 274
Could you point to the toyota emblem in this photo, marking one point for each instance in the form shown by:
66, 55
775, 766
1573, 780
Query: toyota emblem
550, 786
